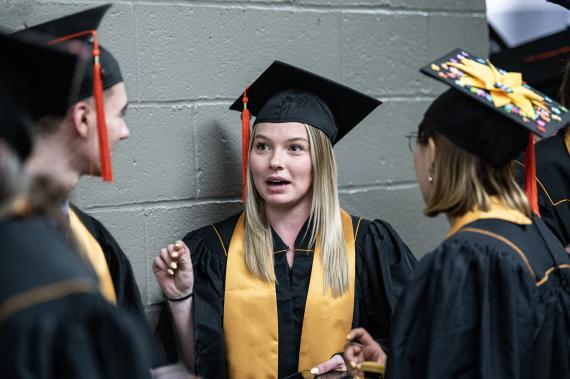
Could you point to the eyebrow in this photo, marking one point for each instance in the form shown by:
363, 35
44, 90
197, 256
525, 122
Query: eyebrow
288, 140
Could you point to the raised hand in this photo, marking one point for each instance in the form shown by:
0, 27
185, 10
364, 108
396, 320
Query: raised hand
173, 270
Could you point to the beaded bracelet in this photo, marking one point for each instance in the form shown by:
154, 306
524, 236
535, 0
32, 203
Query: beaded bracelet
180, 298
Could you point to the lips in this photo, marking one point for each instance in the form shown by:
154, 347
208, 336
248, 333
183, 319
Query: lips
277, 182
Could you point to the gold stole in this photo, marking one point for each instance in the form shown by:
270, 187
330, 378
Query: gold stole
91, 252
250, 313
498, 210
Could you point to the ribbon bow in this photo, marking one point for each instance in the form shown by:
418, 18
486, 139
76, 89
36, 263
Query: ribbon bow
504, 88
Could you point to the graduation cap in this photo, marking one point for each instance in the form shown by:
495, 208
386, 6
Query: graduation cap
35, 81
285, 93
542, 61
103, 74
490, 112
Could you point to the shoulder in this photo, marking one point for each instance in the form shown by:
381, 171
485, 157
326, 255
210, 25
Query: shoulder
95, 227
480, 249
214, 238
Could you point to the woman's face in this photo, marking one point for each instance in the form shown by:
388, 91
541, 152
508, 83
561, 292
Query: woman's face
280, 163
423, 164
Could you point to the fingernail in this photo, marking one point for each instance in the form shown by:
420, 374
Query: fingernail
174, 254
170, 272
315, 371
352, 364
348, 337
173, 265
178, 244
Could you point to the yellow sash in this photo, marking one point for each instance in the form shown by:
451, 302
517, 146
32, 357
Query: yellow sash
250, 314
498, 210
91, 252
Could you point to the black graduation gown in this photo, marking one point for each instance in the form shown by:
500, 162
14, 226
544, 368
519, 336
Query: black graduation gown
553, 173
473, 309
67, 330
126, 289
383, 264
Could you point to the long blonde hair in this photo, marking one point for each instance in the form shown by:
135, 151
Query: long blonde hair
462, 181
325, 222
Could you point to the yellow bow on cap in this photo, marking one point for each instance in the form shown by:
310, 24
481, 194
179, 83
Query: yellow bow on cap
505, 88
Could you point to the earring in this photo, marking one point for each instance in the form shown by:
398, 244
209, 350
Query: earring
430, 177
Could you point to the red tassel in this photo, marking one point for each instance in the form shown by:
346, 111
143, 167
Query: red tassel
530, 175
104, 151
245, 136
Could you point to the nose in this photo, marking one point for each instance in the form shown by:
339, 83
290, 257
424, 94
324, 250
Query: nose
276, 161
125, 132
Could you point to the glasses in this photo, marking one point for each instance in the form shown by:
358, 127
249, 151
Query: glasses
412, 140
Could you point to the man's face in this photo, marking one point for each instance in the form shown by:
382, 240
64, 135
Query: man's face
115, 110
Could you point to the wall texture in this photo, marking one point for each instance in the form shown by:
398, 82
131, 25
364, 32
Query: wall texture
185, 61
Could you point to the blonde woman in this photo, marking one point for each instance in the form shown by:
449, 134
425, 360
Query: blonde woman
275, 289
493, 299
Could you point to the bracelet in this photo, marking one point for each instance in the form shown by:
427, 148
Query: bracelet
180, 298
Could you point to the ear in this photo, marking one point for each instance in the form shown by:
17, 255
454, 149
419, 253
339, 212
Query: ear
431, 151
80, 114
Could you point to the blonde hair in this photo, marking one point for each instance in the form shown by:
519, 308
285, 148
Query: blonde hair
463, 182
325, 222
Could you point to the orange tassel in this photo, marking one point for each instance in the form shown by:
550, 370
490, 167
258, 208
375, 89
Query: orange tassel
245, 136
104, 151
530, 176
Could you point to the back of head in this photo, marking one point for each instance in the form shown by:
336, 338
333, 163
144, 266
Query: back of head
463, 181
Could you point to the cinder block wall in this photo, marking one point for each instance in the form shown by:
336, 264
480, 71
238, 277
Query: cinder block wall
185, 61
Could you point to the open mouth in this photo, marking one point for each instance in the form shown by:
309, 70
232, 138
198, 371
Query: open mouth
276, 183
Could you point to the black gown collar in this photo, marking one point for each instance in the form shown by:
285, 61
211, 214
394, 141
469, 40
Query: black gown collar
301, 242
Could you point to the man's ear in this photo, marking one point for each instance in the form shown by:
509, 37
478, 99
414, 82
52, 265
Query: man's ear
80, 114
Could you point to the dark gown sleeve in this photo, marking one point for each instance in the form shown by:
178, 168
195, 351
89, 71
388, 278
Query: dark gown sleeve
209, 263
79, 336
467, 313
384, 266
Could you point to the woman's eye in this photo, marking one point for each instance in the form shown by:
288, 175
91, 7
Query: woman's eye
261, 146
296, 148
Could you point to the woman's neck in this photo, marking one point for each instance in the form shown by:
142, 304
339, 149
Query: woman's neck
287, 222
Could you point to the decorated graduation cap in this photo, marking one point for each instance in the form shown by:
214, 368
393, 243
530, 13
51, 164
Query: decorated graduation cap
35, 81
490, 112
285, 93
101, 75
541, 62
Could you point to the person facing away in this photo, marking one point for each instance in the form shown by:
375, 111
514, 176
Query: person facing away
493, 299
68, 148
54, 323
275, 289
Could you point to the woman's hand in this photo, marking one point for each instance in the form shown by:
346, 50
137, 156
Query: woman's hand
362, 347
173, 270
335, 364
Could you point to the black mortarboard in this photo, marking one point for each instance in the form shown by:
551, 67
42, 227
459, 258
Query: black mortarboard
542, 61
35, 81
285, 93
81, 26
489, 112
104, 73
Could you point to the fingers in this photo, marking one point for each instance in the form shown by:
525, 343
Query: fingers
336, 363
360, 335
